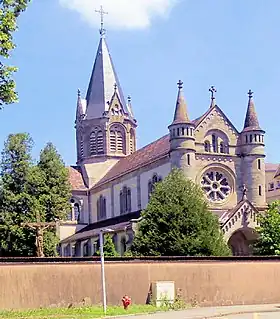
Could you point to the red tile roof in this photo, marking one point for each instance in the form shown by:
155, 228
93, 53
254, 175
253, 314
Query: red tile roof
141, 157
76, 178
271, 167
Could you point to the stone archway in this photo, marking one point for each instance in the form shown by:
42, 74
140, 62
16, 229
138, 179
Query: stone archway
241, 241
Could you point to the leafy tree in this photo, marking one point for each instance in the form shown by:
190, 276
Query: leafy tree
9, 13
15, 201
177, 222
108, 247
268, 243
54, 192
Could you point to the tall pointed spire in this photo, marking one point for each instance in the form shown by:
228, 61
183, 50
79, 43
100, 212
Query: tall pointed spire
180, 115
251, 119
104, 82
213, 98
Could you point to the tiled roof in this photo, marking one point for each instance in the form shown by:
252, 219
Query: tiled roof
271, 167
138, 159
76, 178
277, 172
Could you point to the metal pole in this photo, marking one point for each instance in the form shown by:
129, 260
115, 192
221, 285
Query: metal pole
103, 273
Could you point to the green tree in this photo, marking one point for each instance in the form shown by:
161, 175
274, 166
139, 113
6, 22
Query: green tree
108, 247
15, 201
54, 192
177, 222
268, 243
9, 13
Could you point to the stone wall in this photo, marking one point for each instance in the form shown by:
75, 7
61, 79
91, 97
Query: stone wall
206, 282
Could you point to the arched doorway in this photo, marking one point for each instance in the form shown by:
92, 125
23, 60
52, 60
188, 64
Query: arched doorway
241, 242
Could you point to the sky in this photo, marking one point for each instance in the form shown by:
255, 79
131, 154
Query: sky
232, 44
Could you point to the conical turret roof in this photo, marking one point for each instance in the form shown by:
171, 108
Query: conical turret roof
251, 119
181, 114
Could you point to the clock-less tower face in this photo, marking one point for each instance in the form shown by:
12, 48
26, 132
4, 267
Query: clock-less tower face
216, 185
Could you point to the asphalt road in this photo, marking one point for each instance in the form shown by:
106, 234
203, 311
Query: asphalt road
242, 312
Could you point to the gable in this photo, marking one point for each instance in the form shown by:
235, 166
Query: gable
243, 216
215, 120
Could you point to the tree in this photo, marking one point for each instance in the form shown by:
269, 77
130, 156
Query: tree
54, 192
9, 13
15, 202
177, 222
109, 248
268, 243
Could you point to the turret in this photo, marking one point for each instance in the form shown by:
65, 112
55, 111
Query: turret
253, 154
182, 140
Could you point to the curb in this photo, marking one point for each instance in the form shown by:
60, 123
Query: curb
221, 315
215, 316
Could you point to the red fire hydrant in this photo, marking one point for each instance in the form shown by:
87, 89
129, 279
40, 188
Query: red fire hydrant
126, 302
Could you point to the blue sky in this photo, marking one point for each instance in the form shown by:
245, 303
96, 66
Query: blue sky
232, 44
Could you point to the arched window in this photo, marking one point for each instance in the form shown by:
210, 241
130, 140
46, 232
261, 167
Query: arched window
207, 146
125, 200
117, 140
75, 212
151, 185
101, 207
96, 142
222, 148
188, 159
214, 143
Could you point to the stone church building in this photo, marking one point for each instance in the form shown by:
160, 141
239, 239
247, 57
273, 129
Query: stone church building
112, 180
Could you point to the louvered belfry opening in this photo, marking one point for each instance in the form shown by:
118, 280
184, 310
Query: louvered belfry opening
117, 140
96, 142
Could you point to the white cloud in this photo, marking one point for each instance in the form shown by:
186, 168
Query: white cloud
122, 13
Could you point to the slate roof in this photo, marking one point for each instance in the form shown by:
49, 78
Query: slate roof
251, 118
181, 113
115, 223
102, 84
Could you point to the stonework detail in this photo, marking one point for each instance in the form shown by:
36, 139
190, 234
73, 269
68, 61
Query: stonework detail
215, 185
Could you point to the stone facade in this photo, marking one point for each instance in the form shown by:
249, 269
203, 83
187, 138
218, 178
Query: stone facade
112, 181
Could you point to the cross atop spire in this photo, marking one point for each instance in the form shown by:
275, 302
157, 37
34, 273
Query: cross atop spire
250, 93
180, 84
213, 90
102, 30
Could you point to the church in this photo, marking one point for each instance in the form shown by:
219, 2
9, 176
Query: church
112, 180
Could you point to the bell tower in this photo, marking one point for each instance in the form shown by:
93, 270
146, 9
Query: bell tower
105, 124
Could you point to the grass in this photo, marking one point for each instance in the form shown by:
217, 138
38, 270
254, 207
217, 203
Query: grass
78, 313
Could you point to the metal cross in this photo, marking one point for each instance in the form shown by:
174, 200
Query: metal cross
180, 84
213, 91
102, 30
250, 93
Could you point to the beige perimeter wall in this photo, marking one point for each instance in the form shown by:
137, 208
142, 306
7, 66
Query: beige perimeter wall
208, 283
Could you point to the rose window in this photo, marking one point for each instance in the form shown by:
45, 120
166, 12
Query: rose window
215, 186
